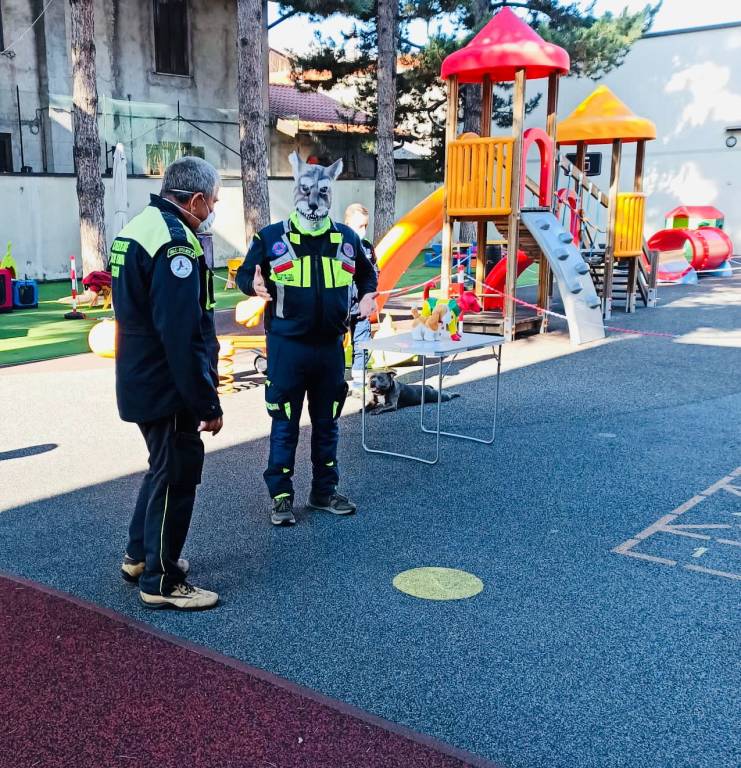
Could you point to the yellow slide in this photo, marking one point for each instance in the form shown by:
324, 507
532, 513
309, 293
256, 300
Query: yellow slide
403, 242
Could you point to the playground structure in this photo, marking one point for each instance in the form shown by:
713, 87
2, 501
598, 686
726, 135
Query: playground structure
590, 243
608, 229
692, 242
485, 183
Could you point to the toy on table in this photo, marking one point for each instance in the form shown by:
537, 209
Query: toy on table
438, 314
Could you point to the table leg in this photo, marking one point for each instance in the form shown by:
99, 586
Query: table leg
485, 441
406, 455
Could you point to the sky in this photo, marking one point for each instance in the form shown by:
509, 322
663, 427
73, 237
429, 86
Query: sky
295, 35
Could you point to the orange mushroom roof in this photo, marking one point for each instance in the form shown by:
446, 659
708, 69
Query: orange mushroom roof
602, 118
503, 46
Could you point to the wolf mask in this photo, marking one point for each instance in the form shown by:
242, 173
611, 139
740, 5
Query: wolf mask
312, 194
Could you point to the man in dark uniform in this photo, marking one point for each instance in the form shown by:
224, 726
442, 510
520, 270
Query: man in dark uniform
356, 217
166, 379
305, 268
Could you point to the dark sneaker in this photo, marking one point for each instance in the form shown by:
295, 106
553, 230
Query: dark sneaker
184, 597
132, 569
282, 513
335, 503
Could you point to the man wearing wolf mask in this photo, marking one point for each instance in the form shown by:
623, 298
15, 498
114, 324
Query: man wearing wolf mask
305, 268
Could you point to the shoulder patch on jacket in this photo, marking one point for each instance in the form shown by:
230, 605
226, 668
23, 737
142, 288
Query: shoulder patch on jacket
181, 250
181, 266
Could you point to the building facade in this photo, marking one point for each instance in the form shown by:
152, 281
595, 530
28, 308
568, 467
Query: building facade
167, 84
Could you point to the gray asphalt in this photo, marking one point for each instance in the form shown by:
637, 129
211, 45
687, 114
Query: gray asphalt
572, 655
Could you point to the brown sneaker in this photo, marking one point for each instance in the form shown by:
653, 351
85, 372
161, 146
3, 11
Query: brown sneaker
132, 569
184, 597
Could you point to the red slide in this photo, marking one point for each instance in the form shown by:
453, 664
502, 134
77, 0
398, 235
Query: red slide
496, 278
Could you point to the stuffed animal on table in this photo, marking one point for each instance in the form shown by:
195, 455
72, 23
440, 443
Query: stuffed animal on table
437, 314
428, 327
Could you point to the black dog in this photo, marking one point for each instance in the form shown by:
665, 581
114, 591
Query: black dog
397, 395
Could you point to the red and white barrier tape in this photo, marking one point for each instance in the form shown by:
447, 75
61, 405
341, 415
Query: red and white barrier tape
544, 311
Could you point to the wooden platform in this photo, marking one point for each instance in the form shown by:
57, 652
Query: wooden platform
526, 240
526, 322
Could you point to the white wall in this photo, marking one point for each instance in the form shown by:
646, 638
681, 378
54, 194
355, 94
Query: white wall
39, 215
688, 85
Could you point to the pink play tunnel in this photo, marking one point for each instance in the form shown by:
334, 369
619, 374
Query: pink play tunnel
705, 249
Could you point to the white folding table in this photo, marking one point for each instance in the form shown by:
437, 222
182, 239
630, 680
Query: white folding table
440, 350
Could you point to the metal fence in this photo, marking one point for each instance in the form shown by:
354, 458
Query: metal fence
36, 137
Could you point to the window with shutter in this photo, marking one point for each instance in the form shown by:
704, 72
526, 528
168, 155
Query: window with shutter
171, 37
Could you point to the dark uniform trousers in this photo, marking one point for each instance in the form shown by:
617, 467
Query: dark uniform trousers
165, 503
299, 367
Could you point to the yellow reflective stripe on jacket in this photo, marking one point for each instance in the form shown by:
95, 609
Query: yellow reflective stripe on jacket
334, 275
210, 300
149, 229
298, 275
328, 271
342, 278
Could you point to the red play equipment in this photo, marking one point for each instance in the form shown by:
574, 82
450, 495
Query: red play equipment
496, 278
6, 290
694, 241
544, 143
569, 197
709, 247
503, 46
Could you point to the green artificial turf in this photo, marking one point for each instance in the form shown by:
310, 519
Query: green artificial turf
27, 335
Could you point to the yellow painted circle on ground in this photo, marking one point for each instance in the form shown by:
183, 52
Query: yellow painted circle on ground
432, 583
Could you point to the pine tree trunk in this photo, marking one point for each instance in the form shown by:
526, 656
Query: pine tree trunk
86, 151
472, 123
252, 116
387, 22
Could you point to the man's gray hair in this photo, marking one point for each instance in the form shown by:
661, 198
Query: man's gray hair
189, 175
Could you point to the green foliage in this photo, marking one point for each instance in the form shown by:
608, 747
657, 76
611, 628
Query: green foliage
596, 44
318, 9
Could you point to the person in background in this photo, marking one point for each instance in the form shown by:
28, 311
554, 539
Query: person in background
356, 217
166, 379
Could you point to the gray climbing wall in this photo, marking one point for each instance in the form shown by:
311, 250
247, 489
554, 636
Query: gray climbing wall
580, 300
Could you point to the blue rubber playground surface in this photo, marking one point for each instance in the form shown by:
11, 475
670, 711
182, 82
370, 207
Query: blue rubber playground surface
605, 525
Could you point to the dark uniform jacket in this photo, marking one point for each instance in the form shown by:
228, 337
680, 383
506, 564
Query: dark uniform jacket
370, 252
166, 346
310, 277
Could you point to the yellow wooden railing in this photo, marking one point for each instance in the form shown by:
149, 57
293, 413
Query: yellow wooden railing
629, 224
479, 176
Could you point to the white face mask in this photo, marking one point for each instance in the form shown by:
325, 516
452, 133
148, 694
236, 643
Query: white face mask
207, 224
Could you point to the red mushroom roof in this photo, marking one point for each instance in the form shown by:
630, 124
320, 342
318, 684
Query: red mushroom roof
504, 45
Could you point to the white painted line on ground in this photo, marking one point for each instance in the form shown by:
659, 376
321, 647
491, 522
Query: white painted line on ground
713, 572
665, 525
650, 558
